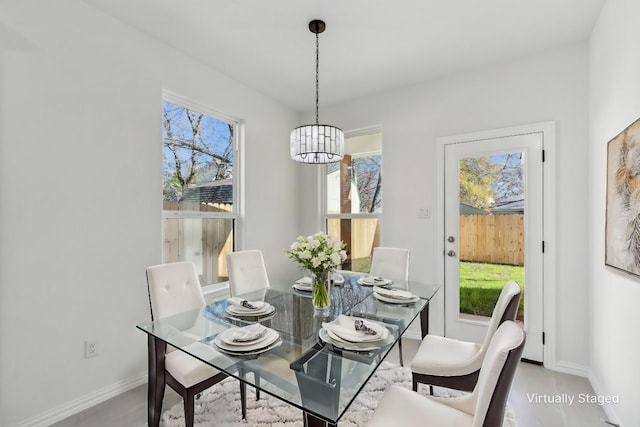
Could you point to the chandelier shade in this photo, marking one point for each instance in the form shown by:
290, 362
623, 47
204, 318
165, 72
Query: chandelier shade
317, 143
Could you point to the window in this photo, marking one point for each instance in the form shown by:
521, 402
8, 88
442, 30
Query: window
199, 188
354, 199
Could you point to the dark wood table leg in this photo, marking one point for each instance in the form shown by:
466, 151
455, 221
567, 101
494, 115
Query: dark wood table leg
424, 320
243, 393
156, 350
312, 421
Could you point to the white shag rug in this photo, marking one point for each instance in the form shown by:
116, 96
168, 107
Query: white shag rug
220, 405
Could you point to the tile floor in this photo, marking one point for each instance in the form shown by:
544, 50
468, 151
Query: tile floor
129, 409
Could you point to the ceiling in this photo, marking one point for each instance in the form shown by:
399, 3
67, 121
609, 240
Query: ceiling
369, 46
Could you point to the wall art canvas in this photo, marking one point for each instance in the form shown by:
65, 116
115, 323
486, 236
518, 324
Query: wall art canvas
622, 236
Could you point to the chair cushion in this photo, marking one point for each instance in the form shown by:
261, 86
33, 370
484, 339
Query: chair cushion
446, 357
402, 407
187, 369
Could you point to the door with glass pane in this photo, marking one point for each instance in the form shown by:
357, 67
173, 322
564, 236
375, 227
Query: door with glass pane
493, 233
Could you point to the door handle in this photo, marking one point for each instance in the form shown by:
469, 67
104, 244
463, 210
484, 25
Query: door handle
451, 253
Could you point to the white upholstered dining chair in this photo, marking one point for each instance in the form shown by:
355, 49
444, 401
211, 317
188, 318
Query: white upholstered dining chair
174, 288
455, 364
246, 271
391, 263
483, 407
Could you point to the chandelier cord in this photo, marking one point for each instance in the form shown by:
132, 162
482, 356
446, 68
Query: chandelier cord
317, 76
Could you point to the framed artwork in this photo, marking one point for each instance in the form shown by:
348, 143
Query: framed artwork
622, 235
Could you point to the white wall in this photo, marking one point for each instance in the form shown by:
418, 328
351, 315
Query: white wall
550, 86
614, 89
80, 195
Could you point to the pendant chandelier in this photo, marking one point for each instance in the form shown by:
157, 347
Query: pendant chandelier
317, 143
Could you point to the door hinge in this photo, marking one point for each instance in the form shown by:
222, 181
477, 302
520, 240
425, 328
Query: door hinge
543, 156
543, 246
543, 338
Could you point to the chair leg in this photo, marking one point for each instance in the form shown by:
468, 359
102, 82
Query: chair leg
243, 399
188, 409
400, 351
257, 386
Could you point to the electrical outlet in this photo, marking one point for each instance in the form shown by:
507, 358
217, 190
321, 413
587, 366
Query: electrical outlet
424, 213
91, 348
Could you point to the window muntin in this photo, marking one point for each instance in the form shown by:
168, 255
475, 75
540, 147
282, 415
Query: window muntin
199, 191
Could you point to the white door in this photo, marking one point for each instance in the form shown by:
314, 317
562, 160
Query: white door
493, 225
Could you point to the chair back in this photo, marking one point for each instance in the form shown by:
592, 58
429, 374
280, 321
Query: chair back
390, 263
505, 309
173, 288
246, 272
496, 375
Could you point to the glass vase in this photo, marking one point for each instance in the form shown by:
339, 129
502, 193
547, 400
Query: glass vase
321, 293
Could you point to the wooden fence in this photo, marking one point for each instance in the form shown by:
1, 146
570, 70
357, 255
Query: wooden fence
205, 241
365, 235
497, 239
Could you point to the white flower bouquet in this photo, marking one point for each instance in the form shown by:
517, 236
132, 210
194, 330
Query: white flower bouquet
320, 254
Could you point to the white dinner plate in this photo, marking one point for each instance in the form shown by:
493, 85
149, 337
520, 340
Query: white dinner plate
343, 327
302, 287
261, 345
327, 337
368, 281
395, 300
277, 343
245, 336
393, 293
243, 311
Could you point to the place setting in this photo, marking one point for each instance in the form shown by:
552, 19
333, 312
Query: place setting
374, 281
305, 284
242, 307
355, 334
394, 296
247, 340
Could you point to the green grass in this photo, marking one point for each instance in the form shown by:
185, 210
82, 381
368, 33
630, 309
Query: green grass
361, 265
481, 283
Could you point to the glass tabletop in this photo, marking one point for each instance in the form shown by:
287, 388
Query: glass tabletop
303, 369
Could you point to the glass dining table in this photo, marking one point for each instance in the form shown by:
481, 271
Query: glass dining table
303, 370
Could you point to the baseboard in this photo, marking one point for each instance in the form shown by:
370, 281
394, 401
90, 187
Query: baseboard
609, 410
571, 369
71, 408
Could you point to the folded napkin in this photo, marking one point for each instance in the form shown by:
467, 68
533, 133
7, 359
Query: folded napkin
336, 278
250, 305
345, 327
305, 281
393, 293
245, 334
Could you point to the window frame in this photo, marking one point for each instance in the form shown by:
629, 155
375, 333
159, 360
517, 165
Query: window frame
325, 217
238, 137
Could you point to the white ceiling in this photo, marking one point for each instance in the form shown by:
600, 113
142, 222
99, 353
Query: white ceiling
369, 45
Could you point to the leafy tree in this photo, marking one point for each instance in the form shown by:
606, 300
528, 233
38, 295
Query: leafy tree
485, 180
196, 149
476, 177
